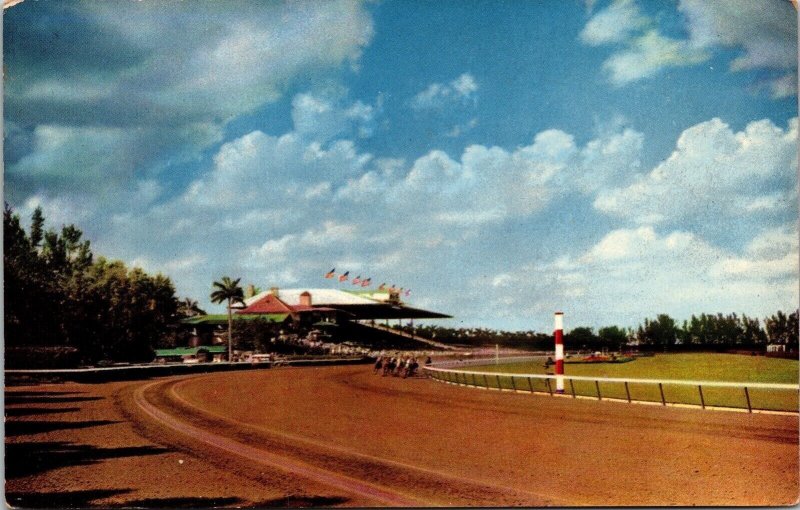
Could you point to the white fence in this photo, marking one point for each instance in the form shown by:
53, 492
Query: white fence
488, 361
705, 394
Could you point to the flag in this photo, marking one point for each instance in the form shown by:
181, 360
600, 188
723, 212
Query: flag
330, 274
366, 283
357, 280
382, 286
343, 278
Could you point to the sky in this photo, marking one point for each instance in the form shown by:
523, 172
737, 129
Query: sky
501, 159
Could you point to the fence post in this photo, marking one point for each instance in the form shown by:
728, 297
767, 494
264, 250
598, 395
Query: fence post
628, 392
572, 387
747, 396
530, 386
486, 380
661, 390
474, 381
597, 385
513, 384
499, 387
549, 388
702, 400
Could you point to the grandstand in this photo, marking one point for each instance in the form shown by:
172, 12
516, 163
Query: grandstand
348, 315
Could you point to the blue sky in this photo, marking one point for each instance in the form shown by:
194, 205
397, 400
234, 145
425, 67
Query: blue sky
501, 159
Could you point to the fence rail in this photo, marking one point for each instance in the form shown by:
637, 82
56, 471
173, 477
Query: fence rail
704, 394
135, 372
489, 361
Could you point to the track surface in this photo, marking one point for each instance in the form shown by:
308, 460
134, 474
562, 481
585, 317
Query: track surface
341, 435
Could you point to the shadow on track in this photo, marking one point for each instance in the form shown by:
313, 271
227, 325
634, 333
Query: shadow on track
188, 502
301, 502
21, 428
41, 393
44, 398
30, 411
69, 499
25, 459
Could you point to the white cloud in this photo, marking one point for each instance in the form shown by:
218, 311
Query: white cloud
321, 119
647, 54
165, 95
785, 86
460, 129
279, 206
773, 243
502, 280
613, 24
764, 32
630, 274
296, 247
255, 50
465, 85
488, 185
712, 173
284, 209
259, 168
99, 155
59, 210
610, 158
438, 95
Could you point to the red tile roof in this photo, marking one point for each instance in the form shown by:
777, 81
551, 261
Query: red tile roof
268, 304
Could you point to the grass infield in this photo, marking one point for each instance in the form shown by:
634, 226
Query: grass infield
693, 366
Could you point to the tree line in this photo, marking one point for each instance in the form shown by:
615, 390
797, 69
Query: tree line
719, 331
65, 307
700, 332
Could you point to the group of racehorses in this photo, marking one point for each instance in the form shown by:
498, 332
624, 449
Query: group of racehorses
396, 366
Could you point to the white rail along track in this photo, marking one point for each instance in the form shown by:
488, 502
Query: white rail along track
590, 387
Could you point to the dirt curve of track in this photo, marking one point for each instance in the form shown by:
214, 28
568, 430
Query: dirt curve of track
343, 436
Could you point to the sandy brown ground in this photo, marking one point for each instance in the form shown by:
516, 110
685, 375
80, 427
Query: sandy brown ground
366, 440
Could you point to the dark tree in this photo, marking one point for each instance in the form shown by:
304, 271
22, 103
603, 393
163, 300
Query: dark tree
56, 295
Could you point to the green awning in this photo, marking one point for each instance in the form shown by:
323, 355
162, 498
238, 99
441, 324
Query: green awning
190, 351
222, 319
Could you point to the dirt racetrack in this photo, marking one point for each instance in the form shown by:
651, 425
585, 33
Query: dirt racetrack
342, 436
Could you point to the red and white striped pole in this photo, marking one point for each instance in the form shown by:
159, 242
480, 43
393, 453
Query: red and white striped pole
559, 334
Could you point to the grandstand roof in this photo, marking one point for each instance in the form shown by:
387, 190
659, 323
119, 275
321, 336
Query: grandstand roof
360, 304
323, 297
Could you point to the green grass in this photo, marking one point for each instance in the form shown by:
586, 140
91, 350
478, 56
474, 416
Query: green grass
694, 366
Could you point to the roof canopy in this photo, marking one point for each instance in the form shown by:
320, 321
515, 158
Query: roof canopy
359, 304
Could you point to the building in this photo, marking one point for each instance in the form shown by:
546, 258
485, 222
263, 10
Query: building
338, 312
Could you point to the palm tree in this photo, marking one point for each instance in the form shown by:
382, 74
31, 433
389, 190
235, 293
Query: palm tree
188, 307
230, 291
